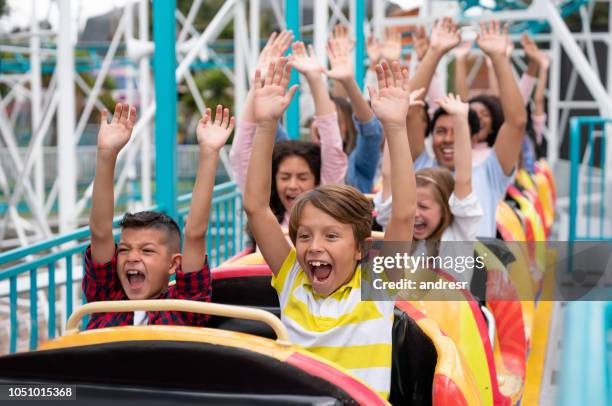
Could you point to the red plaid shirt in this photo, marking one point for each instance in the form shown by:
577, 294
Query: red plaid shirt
101, 283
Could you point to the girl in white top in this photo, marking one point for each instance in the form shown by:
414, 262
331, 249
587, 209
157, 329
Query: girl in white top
447, 209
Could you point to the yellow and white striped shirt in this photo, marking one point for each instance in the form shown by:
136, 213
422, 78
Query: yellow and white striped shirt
354, 334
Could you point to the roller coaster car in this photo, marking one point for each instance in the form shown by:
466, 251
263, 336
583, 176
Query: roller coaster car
534, 228
185, 365
499, 369
542, 167
527, 282
502, 299
540, 192
426, 369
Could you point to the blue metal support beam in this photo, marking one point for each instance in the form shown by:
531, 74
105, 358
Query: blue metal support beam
360, 17
293, 19
164, 66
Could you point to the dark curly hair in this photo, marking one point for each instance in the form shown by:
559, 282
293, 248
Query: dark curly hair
473, 120
492, 104
309, 151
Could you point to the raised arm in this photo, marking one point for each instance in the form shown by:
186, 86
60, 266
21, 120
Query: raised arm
493, 41
462, 53
240, 151
528, 79
491, 75
532, 53
391, 49
420, 42
538, 116
444, 37
211, 138
391, 104
373, 49
270, 101
276, 46
306, 63
333, 158
363, 160
339, 50
538, 96
112, 137
463, 146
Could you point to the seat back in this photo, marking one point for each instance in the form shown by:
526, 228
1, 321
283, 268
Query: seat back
427, 366
510, 349
414, 362
184, 365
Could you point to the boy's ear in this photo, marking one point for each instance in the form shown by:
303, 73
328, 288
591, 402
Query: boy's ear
363, 246
175, 262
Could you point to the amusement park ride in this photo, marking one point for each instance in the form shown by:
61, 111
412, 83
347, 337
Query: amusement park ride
487, 360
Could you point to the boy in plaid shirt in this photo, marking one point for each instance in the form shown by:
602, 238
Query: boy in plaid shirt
139, 267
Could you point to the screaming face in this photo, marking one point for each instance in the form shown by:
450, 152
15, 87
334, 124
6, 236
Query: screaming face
444, 142
428, 214
326, 250
293, 178
144, 262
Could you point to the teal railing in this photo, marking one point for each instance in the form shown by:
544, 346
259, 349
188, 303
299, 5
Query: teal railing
588, 217
586, 368
586, 364
47, 268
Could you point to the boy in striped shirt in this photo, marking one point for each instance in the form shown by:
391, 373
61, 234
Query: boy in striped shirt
319, 281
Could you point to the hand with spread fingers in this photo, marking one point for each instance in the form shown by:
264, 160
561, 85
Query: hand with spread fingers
213, 134
453, 105
493, 38
276, 46
462, 52
392, 100
531, 49
115, 135
305, 61
374, 50
444, 35
339, 49
391, 49
271, 97
420, 42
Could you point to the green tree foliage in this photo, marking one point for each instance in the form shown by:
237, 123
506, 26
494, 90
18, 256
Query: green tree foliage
205, 14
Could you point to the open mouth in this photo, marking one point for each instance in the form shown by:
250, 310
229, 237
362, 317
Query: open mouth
291, 199
135, 279
447, 153
419, 226
320, 270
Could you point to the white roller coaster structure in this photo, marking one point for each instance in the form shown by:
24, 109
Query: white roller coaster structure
56, 99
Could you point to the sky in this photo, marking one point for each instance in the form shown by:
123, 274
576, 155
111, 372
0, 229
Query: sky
21, 11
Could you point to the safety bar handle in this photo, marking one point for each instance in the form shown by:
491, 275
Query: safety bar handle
215, 309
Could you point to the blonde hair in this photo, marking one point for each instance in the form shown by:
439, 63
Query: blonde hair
344, 203
441, 182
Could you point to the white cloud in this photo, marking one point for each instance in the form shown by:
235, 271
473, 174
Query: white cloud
20, 12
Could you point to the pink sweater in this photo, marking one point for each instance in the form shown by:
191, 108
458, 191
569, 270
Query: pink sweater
334, 162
